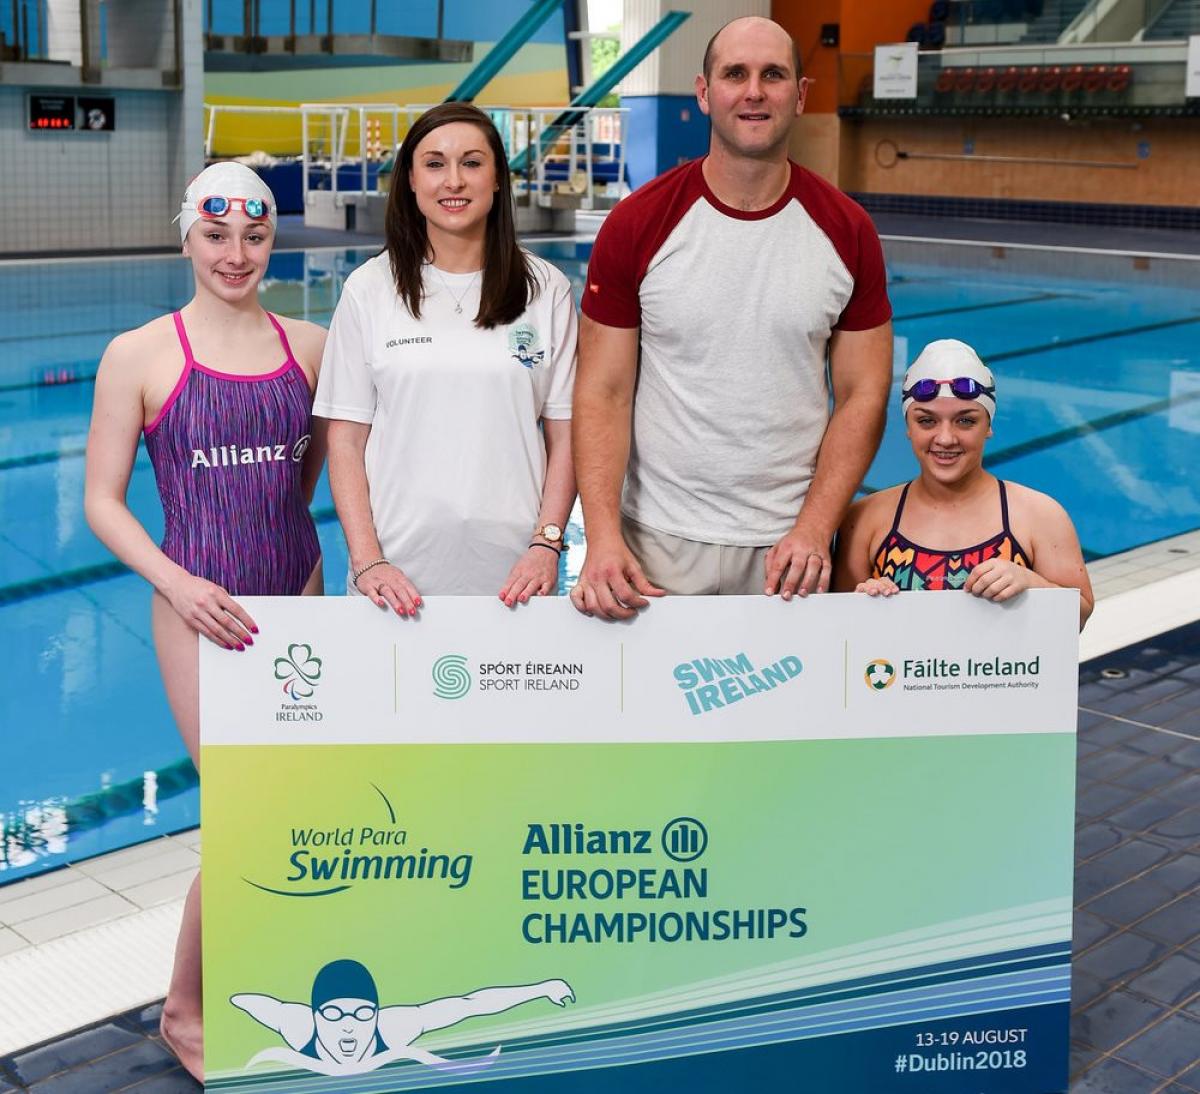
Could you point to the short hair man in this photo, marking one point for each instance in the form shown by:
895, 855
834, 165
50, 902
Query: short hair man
721, 292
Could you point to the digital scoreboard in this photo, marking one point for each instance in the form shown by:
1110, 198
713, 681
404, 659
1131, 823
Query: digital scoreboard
56, 112
51, 112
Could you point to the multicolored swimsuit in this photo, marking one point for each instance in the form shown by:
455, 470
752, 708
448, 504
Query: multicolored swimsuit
227, 453
914, 567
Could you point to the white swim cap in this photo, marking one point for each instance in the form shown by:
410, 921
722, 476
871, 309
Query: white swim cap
945, 361
225, 179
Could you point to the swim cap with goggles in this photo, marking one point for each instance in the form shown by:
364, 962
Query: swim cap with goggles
223, 187
948, 368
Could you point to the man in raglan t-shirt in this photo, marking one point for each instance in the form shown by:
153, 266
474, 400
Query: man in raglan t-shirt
707, 458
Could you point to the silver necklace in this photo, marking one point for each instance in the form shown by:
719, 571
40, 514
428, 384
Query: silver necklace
446, 285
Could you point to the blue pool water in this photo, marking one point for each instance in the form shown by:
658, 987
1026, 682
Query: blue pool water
1099, 405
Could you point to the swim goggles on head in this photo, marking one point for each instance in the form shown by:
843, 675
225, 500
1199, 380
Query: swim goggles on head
962, 387
216, 205
333, 1013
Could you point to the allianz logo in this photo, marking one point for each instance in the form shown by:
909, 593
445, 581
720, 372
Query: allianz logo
232, 455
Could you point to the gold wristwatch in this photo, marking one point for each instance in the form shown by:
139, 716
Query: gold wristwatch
551, 533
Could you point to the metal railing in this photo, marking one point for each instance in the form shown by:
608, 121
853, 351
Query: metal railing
341, 139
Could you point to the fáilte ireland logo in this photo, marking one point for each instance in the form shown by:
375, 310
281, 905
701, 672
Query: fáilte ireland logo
451, 677
523, 344
879, 674
300, 671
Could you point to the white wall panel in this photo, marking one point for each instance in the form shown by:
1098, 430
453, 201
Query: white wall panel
83, 191
672, 68
71, 191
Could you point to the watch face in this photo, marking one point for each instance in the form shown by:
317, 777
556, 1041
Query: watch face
551, 532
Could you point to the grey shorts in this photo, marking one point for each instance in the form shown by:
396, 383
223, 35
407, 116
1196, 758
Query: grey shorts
690, 568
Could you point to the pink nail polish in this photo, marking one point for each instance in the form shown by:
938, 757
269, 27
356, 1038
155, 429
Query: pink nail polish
254, 629
241, 648
249, 641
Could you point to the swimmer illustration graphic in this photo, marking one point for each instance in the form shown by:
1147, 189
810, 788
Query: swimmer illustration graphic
345, 1030
521, 342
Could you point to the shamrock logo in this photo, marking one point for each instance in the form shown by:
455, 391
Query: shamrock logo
299, 670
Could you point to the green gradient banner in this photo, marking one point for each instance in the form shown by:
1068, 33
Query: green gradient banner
385, 916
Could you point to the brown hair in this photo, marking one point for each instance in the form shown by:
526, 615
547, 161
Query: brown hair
508, 281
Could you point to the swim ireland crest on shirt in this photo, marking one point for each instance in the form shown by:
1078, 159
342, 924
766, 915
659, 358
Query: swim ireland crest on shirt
525, 345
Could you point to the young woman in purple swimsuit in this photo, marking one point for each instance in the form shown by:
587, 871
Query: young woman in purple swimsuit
914, 536
222, 391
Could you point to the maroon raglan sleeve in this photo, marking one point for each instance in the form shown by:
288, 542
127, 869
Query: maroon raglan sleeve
868, 305
611, 294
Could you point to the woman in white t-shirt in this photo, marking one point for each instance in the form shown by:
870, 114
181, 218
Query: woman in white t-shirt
447, 377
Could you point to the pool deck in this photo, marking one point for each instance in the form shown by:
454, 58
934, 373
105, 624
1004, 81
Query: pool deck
95, 939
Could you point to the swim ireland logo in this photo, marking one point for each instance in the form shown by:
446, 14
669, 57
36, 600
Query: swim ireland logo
451, 677
300, 671
523, 344
879, 674
710, 683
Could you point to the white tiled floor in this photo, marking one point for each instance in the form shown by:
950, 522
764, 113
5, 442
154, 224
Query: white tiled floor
1141, 593
62, 933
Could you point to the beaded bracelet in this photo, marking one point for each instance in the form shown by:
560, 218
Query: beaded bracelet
369, 566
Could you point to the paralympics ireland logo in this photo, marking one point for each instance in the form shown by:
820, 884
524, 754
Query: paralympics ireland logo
451, 677
300, 671
879, 674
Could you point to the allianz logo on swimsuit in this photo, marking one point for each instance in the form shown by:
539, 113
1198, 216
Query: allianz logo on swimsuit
232, 455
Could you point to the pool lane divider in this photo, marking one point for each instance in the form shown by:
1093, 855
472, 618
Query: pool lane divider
94, 810
101, 571
1034, 299
1099, 336
41, 385
1083, 429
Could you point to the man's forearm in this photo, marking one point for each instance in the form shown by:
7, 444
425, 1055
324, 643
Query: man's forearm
600, 438
850, 443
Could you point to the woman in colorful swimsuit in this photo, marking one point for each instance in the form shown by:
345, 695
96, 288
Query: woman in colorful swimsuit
916, 536
222, 392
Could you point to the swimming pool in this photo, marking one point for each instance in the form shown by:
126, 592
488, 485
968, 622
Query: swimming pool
1099, 405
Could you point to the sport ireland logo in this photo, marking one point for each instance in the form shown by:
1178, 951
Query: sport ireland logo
451, 677
300, 671
879, 674
523, 343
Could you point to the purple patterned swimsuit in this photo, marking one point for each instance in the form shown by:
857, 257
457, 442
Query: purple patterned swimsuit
227, 452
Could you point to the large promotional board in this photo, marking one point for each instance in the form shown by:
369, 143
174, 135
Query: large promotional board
735, 844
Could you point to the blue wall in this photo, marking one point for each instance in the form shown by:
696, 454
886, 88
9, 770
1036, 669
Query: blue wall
664, 130
470, 20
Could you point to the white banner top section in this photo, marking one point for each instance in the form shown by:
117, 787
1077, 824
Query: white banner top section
338, 670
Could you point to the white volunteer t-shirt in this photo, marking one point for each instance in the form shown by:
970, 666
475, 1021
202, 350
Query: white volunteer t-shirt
455, 461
